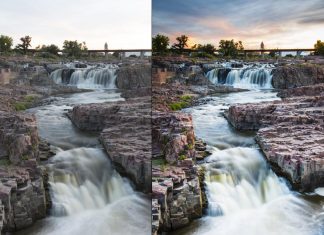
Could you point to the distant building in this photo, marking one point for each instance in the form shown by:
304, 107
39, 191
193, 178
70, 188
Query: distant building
106, 46
262, 46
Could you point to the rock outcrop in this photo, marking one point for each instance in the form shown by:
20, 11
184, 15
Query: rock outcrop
125, 128
290, 133
284, 77
176, 187
133, 77
22, 188
315, 90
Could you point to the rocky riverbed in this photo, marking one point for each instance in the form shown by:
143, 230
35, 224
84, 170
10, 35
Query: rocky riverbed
290, 133
24, 188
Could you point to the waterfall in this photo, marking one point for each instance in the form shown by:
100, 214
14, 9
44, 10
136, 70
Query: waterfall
248, 77
56, 76
244, 195
83, 179
212, 76
90, 197
89, 78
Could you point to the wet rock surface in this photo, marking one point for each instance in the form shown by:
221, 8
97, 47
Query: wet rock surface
290, 133
176, 186
125, 128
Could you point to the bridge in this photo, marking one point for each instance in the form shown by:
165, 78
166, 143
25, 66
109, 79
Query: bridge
279, 50
122, 52
262, 51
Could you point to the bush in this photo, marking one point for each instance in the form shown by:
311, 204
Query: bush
182, 157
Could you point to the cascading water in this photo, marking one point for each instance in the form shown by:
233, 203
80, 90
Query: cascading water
89, 78
56, 76
244, 195
248, 77
88, 196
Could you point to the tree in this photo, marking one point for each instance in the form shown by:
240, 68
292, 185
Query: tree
74, 48
208, 49
319, 48
160, 43
182, 43
52, 49
230, 48
5, 43
25, 44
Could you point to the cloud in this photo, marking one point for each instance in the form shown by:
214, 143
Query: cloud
251, 21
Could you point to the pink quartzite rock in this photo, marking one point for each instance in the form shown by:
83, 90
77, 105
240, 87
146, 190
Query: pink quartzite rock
291, 135
125, 134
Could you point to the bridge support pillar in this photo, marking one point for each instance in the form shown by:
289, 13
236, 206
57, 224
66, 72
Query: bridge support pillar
106, 55
142, 54
280, 54
298, 53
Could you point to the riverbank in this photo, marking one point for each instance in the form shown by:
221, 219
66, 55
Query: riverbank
27, 107
175, 89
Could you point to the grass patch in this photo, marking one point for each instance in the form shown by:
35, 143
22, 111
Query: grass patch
178, 105
182, 157
186, 98
26, 103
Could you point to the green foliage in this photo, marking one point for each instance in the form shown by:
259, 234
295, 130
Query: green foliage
204, 50
178, 105
182, 157
25, 44
289, 56
27, 103
160, 43
186, 98
181, 44
74, 48
20, 106
319, 48
230, 48
6, 43
190, 146
51, 49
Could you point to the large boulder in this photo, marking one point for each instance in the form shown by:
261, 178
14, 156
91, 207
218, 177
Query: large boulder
133, 77
125, 128
290, 133
284, 77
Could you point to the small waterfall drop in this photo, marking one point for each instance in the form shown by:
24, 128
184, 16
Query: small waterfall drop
89, 78
83, 179
248, 77
56, 76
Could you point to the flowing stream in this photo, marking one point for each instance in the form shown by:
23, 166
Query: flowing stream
89, 197
244, 195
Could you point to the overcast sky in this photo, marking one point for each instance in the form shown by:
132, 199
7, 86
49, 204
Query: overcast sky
123, 24
279, 23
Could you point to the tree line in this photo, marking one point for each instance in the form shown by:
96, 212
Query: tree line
70, 48
161, 45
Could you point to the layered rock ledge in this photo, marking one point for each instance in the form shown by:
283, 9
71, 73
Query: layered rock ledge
176, 188
291, 135
23, 189
125, 128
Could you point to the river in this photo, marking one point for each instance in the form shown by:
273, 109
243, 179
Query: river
244, 195
87, 193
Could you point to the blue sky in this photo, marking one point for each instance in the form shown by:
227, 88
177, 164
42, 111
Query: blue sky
279, 23
120, 23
